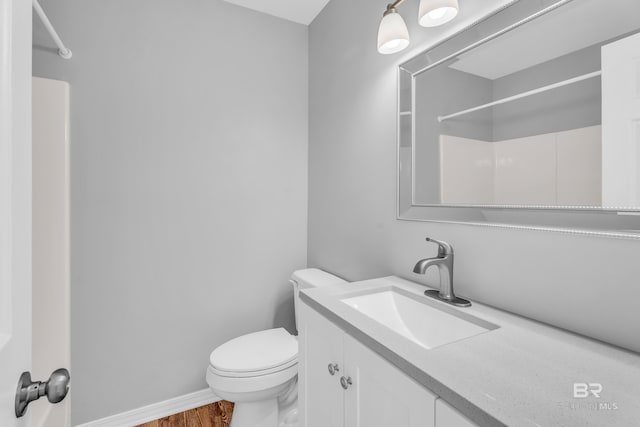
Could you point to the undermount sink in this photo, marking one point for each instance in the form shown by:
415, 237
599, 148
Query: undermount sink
417, 318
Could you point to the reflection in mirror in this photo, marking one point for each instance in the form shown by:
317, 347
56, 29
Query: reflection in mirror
545, 115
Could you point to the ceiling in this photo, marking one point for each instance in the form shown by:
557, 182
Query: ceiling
300, 11
574, 26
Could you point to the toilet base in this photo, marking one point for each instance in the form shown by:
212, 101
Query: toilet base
278, 412
288, 406
276, 406
289, 419
262, 413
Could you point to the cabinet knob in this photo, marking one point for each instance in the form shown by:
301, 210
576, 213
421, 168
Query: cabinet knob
345, 382
333, 368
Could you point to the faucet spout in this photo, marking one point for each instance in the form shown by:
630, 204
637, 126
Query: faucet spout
444, 262
445, 268
422, 265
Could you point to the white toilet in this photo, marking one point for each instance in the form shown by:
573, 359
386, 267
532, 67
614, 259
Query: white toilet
259, 371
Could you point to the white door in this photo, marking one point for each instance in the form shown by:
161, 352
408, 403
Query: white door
15, 203
380, 395
621, 123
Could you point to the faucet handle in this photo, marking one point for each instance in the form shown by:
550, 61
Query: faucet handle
444, 248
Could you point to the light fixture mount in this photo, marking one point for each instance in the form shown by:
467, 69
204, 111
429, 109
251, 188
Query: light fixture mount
392, 8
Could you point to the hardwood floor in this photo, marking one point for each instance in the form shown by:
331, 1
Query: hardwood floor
217, 414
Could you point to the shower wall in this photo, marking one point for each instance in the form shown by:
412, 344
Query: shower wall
50, 314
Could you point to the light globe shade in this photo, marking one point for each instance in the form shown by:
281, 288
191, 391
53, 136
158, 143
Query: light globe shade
437, 12
393, 35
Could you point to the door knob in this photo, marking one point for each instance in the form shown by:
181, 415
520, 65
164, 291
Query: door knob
333, 368
56, 389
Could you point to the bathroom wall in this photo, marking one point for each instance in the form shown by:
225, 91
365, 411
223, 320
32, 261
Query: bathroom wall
579, 282
188, 187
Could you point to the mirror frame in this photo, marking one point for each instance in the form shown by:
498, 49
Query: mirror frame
598, 221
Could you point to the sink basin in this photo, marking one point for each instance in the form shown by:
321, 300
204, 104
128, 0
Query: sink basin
417, 318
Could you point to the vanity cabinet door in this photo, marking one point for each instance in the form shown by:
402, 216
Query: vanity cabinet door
380, 395
446, 416
321, 398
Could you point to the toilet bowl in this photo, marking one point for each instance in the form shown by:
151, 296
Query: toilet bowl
259, 371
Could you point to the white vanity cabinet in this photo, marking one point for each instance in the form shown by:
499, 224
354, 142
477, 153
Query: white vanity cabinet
364, 391
320, 396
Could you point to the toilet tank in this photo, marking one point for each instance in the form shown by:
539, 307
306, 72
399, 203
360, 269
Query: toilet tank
310, 278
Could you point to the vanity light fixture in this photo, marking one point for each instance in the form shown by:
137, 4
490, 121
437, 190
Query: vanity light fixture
393, 35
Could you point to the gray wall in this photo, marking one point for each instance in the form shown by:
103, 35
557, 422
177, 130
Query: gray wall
189, 187
553, 277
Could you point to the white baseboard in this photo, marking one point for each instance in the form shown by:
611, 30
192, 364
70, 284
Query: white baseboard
156, 410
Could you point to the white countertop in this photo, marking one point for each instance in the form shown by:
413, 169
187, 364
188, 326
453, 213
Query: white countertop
521, 374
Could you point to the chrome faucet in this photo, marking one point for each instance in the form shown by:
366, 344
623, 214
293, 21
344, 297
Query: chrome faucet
444, 262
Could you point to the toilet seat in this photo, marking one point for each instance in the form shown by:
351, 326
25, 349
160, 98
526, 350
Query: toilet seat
256, 354
223, 385
250, 374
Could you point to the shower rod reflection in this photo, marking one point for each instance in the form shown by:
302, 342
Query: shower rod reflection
63, 51
523, 95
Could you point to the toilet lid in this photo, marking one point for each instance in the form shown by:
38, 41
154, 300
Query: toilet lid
258, 351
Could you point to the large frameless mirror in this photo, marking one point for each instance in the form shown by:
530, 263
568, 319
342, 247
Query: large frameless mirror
529, 118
